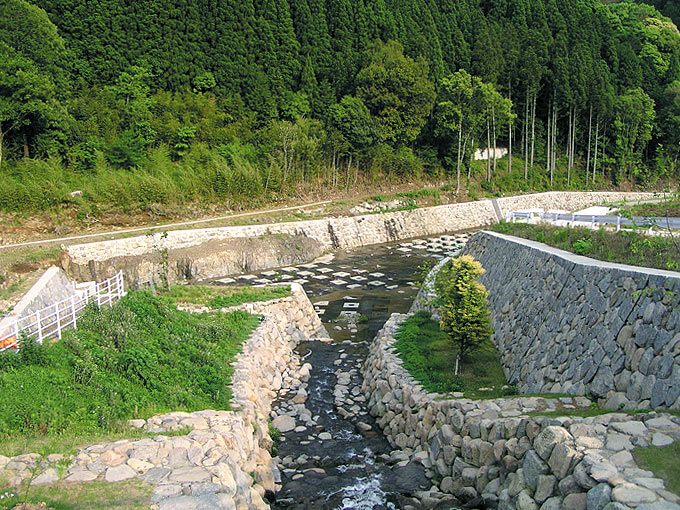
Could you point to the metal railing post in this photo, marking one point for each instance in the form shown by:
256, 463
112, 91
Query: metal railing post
56, 307
37, 316
73, 311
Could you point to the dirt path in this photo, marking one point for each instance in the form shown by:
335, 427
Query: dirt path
161, 227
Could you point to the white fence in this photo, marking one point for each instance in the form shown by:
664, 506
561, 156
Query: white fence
49, 322
571, 220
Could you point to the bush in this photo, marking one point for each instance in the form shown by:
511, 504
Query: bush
465, 310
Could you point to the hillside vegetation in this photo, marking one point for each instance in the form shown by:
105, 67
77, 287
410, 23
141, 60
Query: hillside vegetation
144, 105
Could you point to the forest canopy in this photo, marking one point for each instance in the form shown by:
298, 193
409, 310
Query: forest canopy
209, 100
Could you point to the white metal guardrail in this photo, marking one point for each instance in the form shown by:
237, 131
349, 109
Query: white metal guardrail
593, 220
49, 322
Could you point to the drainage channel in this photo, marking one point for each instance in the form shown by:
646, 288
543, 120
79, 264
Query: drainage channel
332, 454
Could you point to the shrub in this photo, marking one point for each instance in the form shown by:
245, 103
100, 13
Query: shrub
582, 246
465, 310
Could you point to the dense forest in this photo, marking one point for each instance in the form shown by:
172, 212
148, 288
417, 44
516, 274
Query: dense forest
171, 101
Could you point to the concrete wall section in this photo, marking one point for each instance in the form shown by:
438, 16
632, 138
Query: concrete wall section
570, 324
351, 232
568, 201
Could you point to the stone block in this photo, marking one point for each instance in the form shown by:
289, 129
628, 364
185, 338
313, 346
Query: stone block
532, 468
548, 438
598, 497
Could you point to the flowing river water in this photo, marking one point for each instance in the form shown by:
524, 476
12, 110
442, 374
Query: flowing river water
337, 457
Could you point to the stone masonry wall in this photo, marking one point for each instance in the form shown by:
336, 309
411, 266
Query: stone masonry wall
352, 232
570, 324
224, 462
492, 453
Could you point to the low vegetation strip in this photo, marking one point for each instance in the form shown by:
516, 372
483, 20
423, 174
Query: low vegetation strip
429, 356
624, 247
140, 357
663, 462
217, 297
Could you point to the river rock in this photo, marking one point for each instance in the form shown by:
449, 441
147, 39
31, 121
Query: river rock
632, 495
48, 476
548, 438
284, 423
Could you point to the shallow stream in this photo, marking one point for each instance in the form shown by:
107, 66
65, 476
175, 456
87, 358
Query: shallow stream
337, 457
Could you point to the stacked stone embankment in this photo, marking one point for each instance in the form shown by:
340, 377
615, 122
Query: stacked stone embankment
569, 324
225, 461
338, 233
495, 454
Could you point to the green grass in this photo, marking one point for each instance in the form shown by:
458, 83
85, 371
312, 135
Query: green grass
429, 356
67, 443
219, 297
139, 358
667, 206
593, 410
625, 247
663, 462
96, 495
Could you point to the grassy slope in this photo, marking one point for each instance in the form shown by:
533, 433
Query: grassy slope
140, 358
625, 247
663, 462
97, 495
429, 356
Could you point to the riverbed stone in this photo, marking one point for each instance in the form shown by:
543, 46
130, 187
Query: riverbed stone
284, 423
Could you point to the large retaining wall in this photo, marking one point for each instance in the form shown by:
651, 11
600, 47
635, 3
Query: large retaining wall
351, 232
570, 324
494, 450
210, 259
224, 462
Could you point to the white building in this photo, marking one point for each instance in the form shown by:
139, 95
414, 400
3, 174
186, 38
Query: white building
488, 153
